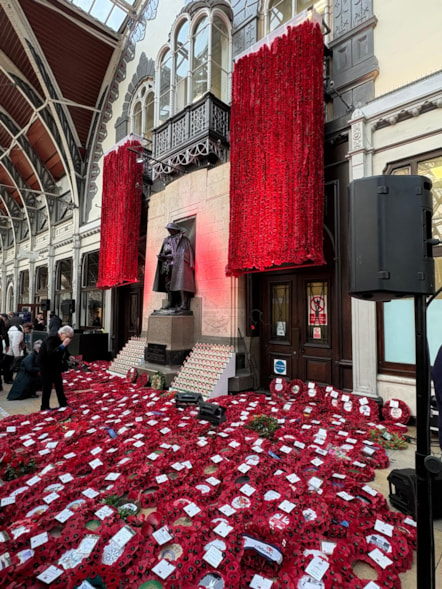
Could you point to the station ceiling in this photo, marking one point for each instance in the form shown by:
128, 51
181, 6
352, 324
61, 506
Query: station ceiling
57, 60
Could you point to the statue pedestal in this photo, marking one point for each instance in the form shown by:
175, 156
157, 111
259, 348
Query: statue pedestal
169, 339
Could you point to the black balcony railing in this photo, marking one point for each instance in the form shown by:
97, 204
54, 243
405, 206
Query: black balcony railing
198, 135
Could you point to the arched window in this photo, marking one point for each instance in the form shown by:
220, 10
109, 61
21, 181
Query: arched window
220, 59
23, 295
165, 77
200, 59
137, 119
181, 65
63, 288
142, 110
197, 61
280, 11
10, 297
41, 284
91, 304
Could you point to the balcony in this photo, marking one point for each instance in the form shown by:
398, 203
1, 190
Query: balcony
195, 137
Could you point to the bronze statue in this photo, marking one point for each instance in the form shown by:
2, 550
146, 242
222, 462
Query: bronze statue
175, 273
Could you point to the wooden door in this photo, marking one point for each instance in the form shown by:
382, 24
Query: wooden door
296, 338
128, 314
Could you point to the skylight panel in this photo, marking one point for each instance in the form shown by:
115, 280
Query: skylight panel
109, 12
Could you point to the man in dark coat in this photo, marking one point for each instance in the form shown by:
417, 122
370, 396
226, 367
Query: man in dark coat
175, 272
39, 323
52, 357
27, 382
54, 323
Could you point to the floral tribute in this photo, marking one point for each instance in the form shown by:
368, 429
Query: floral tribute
396, 410
120, 217
128, 490
276, 158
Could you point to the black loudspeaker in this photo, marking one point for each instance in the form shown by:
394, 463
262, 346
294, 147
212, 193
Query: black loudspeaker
212, 413
402, 491
68, 306
183, 399
45, 304
390, 237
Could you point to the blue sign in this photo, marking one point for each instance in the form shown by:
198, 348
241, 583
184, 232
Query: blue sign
280, 366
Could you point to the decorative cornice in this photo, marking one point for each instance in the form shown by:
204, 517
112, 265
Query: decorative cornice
407, 102
404, 114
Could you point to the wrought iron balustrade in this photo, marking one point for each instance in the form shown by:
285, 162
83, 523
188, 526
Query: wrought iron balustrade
199, 135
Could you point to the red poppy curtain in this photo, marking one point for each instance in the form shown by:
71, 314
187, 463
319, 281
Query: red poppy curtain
120, 217
277, 170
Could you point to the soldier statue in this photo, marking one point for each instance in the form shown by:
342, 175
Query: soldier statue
175, 273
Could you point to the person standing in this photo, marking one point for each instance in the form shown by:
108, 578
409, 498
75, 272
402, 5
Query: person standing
39, 323
27, 333
13, 319
14, 353
54, 323
53, 354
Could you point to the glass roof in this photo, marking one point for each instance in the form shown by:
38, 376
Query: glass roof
111, 13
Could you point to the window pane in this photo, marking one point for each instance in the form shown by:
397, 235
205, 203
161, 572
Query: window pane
432, 169
280, 11
403, 171
92, 308
220, 60
42, 278
149, 116
399, 332
24, 287
65, 275
181, 66
220, 81
303, 4
280, 311
317, 320
199, 62
92, 269
199, 82
165, 81
200, 44
137, 119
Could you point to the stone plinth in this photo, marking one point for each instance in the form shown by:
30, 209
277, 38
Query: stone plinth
173, 331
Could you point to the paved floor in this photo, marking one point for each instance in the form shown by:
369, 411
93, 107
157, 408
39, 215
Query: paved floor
398, 459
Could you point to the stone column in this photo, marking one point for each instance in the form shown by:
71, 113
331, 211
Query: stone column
364, 328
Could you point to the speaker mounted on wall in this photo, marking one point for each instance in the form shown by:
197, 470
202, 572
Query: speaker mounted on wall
45, 304
68, 306
390, 237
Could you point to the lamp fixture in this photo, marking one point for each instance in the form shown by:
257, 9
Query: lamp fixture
145, 157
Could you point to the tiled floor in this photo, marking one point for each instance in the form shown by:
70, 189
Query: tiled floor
398, 459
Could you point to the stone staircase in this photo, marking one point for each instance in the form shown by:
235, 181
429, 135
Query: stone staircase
131, 355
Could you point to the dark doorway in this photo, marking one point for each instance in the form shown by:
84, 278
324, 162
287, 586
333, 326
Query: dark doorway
296, 328
127, 301
128, 305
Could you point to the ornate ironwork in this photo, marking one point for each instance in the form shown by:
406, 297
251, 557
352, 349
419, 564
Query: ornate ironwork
198, 134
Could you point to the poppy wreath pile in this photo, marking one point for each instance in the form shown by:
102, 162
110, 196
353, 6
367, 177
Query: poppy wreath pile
125, 489
397, 411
